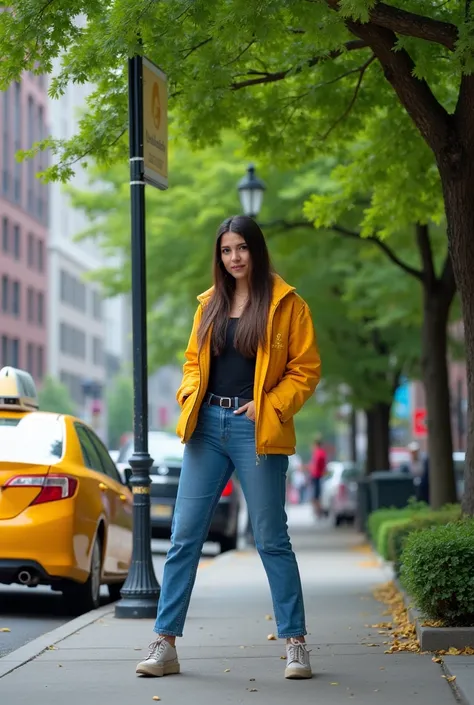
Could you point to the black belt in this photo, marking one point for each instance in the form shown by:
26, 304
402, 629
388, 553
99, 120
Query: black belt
226, 402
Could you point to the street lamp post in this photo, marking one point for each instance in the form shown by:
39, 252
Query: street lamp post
141, 590
251, 190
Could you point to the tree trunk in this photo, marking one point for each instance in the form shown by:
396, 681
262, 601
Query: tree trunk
436, 383
378, 437
353, 426
458, 188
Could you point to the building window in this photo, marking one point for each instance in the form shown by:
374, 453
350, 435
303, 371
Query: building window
16, 299
40, 362
6, 142
5, 294
5, 235
15, 353
97, 306
31, 250
30, 365
40, 256
17, 127
5, 351
73, 291
97, 356
31, 162
16, 241
30, 305
40, 309
72, 341
40, 205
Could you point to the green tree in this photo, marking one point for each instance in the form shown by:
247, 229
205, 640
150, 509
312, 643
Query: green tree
297, 78
54, 396
181, 227
119, 409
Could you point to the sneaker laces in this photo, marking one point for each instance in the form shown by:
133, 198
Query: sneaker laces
297, 651
156, 647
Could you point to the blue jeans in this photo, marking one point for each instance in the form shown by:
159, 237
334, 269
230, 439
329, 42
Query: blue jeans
221, 442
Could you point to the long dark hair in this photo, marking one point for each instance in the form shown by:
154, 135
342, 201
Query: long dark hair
252, 325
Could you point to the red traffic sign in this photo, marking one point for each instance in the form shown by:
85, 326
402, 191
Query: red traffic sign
420, 427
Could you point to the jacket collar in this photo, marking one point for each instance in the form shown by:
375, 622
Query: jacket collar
280, 290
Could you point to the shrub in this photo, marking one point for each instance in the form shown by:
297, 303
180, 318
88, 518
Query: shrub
380, 516
437, 572
397, 534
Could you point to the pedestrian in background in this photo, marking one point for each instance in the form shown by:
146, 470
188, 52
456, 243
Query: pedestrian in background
252, 362
317, 470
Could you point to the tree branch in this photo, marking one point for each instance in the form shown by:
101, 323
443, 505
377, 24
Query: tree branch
195, 48
410, 24
269, 77
424, 246
382, 246
432, 120
352, 102
353, 234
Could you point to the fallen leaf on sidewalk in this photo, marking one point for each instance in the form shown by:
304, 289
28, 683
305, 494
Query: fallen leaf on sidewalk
268, 617
156, 697
334, 683
271, 637
370, 645
227, 670
450, 679
436, 659
382, 668
5, 629
253, 690
452, 651
283, 658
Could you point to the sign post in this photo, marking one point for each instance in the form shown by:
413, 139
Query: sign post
148, 146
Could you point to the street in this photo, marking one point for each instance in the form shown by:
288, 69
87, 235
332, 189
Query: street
31, 612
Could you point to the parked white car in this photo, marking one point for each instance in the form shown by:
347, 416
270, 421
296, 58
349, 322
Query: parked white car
339, 491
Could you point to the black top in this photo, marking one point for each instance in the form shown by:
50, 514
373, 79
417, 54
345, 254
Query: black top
232, 374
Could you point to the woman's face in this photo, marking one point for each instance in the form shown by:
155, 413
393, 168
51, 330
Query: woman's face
235, 255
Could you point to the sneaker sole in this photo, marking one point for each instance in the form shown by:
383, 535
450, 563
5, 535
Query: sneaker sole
159, 670
298, 673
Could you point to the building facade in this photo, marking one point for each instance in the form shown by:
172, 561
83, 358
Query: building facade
24, 204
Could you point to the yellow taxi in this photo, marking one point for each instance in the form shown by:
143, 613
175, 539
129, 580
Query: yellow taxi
65, 515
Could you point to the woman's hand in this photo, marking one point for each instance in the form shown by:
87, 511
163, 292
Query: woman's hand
248, 409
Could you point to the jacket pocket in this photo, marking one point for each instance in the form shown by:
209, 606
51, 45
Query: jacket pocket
186, 411
274, 433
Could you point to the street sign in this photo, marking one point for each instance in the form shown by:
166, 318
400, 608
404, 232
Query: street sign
420, 427
155, 125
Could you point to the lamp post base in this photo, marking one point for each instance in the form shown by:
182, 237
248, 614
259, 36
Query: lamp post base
137, 608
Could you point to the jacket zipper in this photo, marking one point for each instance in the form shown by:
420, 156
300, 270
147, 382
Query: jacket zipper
262, 377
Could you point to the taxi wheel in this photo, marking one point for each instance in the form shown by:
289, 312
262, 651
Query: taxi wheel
84, 597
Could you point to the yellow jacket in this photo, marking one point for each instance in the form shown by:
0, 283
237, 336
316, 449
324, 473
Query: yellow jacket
286, 374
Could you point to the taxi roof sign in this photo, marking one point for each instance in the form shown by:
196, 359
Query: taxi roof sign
17, 390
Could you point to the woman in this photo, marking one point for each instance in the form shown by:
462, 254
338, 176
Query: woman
252, 362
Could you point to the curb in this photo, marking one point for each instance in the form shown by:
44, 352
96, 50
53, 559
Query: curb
19, 657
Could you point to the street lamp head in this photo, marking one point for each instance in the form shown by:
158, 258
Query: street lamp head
251, 190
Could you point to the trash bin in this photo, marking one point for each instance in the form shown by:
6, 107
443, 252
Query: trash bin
390, 489
363, 503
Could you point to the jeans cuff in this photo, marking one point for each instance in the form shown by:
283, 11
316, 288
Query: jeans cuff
290, 635
167, 632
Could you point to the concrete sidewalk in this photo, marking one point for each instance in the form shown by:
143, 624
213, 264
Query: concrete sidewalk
225, 654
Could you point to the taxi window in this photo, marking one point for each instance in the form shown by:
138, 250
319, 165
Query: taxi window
35, 439
89, 453
107, 463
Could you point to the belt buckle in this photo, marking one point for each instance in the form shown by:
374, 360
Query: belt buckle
227, 405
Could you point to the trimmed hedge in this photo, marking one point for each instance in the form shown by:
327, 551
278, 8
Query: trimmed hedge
397, 535
437, 572
378, 518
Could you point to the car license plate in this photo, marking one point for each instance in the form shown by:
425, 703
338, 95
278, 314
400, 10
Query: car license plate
162, 511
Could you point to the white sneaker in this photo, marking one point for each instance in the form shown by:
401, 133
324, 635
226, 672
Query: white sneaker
297, 660
162, 660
